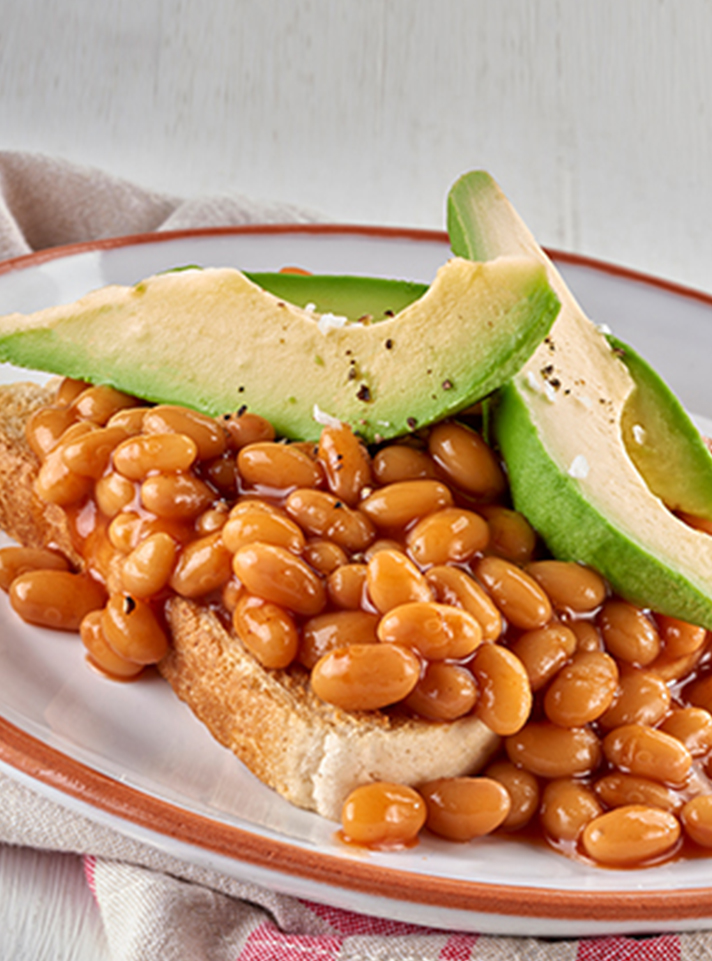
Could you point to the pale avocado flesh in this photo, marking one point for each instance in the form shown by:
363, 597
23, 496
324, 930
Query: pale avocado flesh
561, 425
213, 340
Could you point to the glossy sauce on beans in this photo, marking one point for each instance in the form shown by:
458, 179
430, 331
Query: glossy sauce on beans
399, 579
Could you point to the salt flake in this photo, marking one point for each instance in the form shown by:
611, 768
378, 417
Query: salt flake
326, 420
579, 467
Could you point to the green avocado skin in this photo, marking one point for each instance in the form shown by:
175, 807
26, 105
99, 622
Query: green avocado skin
344, 295
573, 530
669, 438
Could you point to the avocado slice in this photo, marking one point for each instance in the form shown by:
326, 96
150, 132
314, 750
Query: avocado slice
346, 296
586, 429
215, 341
658, 433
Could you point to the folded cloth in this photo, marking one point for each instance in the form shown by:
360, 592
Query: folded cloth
154, 906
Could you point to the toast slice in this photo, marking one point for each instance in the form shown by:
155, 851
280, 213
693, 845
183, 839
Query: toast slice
312, 753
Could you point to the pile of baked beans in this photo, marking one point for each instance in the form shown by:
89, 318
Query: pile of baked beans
402, 580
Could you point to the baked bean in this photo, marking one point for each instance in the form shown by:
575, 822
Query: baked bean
382, 544
175, 496
124, 531
89, 454
204, 566
69, 389
437, 631
99, 403
630, 835
19, 560
307, 447
544, 651
247, 428
583, 690
137, 457
692, 726
99, 652
256, 524
147, 568
100, 557
278, 466
466, 460
212, 520
698, 523
222, 473
517, 595
698, 693
548, 750
588, 637
567, 806
208, 434
346, 586
129, 528
648, 752
327, 632
324, 515
113, 492
365, 677
267, 630
628, 633
346, 463
505, 699
45, 427
383, 815
393, 580
678, 637
451, 534
246, 505
642, 698
54, 598
57, 484
676, 668
129, 419
444, 692
399, 462
132, 630
231, 593
275, 574
324, 556
463, 808
511, 534
523, 790
696, 817
571, 587
454, 586
617, 790
398, 505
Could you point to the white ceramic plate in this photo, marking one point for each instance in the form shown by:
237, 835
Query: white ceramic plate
133, 757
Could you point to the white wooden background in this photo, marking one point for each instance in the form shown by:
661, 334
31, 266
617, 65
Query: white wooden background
594, 115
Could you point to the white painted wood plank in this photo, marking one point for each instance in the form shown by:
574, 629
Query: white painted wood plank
594, 115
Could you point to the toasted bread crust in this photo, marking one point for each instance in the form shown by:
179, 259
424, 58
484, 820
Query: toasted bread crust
312, 753
23, 516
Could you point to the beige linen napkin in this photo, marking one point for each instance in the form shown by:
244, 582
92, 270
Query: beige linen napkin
154, 906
